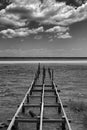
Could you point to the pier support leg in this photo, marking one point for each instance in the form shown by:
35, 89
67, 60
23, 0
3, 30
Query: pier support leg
38, 124
40, 107
23, 109
56, 99
15, 126
31, 92
27, 98
59, 108
63, 123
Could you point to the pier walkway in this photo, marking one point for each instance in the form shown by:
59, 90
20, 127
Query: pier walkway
41, 108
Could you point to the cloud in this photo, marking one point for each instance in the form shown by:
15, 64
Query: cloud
21, 32
64, 35
60, 32
38, 37
17, 17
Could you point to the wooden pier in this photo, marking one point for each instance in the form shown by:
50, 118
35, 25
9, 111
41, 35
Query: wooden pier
41, 108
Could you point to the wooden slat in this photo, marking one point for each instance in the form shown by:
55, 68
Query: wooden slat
38, 85
46, 90
45, 105
38, 105
46, 96
26, 120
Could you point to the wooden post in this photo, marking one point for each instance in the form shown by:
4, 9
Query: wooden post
56, 99
43, 75
52, 79
15, 125
41, 94
38, 69
27, 98
31, 92
52, 75
49, 72
40, 106
63, 123
55, 93
38, 124
23, 109
59, 108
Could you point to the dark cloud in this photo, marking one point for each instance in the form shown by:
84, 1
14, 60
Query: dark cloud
4, 4
33, 24
76, 3
23, 18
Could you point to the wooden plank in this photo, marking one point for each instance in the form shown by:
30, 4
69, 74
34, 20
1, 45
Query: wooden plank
38, 105
26, 120
40, 85
35, 120
45, 96
46, 90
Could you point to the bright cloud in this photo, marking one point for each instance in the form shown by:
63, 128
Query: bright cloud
21, 32
18, 16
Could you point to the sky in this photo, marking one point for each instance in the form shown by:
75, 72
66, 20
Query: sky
55, 29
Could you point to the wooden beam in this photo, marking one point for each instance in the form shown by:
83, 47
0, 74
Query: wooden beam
46, 96
44, 120
26, 120
46, 90
45, 105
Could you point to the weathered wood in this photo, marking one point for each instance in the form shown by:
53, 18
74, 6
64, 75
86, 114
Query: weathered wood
40, 119
52, 75
59, 108
28, 98
63, 123
45, 105
46, 90
42, 109
38, 124
34, 120
23, 109
32, 114
46, 96
40, 85
49, 71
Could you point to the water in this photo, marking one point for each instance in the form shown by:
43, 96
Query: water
15, 80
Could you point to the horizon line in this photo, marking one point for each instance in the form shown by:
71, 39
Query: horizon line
51, 61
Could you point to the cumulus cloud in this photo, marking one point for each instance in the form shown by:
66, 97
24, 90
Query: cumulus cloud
18, 16
57, 29
21, 32
64, 35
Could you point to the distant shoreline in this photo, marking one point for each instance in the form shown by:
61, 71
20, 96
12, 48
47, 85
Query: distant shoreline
42, 58
45, 62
